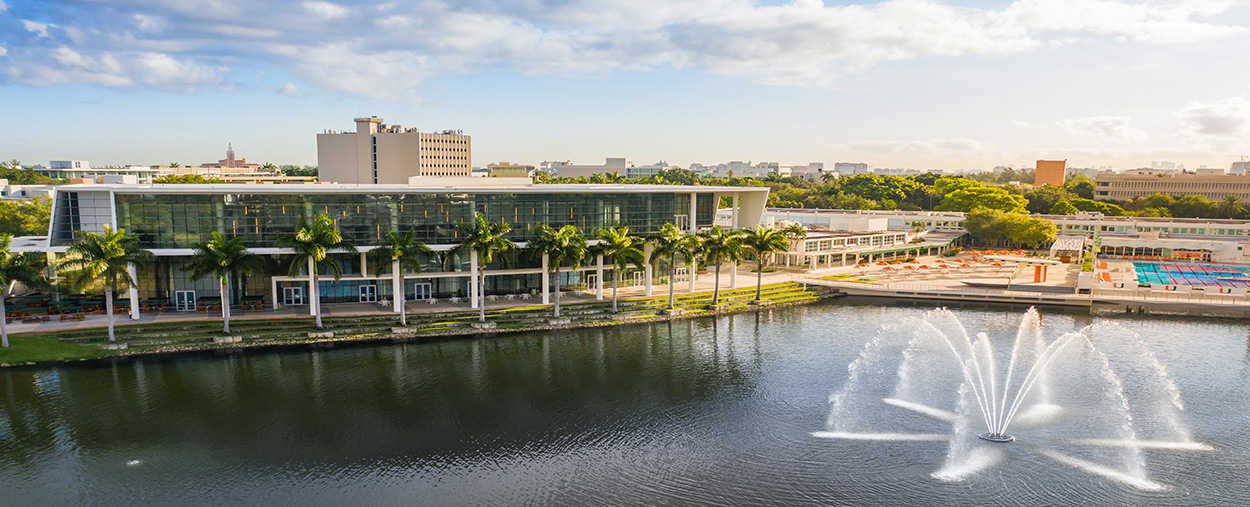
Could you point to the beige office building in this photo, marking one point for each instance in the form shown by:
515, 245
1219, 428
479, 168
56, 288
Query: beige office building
390, 154
1122, 187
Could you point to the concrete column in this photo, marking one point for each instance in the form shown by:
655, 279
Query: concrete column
735, 212
134, 292
693, 273
273, 287
364, 264
473, 288
648, 269
546, 279
694, 202
733, 275
599, 277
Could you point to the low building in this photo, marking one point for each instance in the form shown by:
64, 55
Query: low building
566, 170
1050, 172
1122, 187
79, 169
509, 170
170, 220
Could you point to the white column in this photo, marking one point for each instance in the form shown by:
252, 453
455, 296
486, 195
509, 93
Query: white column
134, 292
473, 288
599, 276
364, 264
546, 280
694, 201
694, 269
733, 275
273, 287
397, 300
734, 212
647, 267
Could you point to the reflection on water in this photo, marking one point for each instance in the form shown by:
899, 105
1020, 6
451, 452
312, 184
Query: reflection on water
697, 411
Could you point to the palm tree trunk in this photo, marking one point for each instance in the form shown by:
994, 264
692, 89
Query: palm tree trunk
225, 306
401, 300
616, 274
4, 320
759, 278
672, 280
108, 308
481, 294
557, 291
314, 295
716, 289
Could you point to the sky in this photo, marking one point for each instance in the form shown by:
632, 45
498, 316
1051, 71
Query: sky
957, 85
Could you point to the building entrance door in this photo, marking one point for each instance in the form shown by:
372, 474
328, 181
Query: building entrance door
421, 291
368, 293
679, 276
638, 278
292, 296
184, 300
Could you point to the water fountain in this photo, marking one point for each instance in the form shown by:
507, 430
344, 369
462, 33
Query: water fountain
1092, 399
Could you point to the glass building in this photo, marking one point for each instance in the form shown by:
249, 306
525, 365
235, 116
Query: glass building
170, 220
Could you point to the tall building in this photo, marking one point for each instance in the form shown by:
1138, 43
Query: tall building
230, 162
1050, 172
390, 154
1241, 167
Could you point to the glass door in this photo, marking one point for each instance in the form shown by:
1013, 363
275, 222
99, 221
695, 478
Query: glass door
422, 291
368, 293
184, 300
292, 296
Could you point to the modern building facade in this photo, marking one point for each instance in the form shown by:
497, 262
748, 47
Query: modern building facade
1122, 187
170, 220
76, 169
377, 153
1050, 172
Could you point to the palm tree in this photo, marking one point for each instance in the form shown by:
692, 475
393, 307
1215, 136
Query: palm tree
221, 258
403, 250
1231, 206
718, 246
313, 244
563, 245
268, 166
108, 255
763, 242
670, 243
174, 165
623, 249
15, 267
485, 238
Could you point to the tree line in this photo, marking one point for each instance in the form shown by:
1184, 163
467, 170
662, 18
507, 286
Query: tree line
106, 257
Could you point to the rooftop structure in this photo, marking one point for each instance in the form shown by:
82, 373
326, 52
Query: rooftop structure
231, 162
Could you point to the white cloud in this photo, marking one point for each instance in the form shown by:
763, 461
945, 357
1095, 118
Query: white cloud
1104, 127
40, 29
325, 10
3, 51
800, 44
3, 6
64, 65
1222, 117
291, 90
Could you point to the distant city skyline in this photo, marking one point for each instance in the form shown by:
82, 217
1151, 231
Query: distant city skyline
962, 85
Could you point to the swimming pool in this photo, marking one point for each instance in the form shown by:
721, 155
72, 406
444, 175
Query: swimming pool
1196, 275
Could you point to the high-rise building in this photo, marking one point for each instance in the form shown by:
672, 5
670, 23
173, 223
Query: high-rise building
1050, 172
390, 154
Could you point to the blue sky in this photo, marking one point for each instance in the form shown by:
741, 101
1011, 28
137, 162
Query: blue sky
904, 83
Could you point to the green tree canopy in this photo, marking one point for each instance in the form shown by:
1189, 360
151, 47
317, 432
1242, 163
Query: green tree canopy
1105, 208
1080, 185
1063, 208
1044, 198
968, 199
1193, 206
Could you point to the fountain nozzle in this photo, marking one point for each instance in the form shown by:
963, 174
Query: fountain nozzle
1001, 438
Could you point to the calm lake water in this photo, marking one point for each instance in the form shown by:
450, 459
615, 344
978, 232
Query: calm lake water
701, 412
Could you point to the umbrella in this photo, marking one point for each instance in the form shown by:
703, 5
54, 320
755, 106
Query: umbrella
972, 252
863, 265
924, 266
996, 264
909, 267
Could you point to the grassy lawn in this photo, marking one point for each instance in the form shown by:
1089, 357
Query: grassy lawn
837, 277
26, 348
